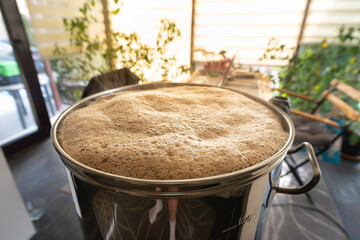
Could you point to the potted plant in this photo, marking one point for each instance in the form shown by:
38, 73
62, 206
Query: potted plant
350, 148
316, 64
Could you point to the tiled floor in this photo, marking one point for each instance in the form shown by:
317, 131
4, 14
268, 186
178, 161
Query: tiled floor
295, 217
343, 181
41, 179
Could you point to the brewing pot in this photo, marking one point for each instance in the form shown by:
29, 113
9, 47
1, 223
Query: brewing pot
226, 206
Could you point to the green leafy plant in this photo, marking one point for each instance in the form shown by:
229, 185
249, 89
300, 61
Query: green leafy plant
312, 69
355, 136
99, 54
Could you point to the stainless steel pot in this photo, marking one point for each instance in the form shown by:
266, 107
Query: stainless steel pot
219, 207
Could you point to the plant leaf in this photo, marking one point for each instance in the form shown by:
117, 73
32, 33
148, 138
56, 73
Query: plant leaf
116, 11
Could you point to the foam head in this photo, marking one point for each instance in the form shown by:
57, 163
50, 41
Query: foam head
172, 133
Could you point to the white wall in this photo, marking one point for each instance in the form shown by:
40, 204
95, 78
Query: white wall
15, 223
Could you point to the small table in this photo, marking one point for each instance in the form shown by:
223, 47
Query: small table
14, 90
206, 77
253, 83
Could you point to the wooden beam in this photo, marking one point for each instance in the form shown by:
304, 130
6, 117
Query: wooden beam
291, 93
306, 11
315, 117
192, 36
53, 86
347, 89
350, 112
108, 32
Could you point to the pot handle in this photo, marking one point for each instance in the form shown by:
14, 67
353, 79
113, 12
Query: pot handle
316, 172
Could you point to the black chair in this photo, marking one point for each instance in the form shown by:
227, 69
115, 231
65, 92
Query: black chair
110, 80
312, 128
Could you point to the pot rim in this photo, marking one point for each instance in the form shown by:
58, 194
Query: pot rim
84, 171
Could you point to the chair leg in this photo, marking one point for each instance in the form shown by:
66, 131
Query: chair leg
296, 166
296, 175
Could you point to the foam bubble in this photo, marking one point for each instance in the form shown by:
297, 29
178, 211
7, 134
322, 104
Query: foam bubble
172, 133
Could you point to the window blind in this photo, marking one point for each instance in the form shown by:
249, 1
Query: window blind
241, 26
246, 26
47, 22
326, 16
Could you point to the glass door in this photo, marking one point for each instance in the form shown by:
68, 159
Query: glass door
23, 111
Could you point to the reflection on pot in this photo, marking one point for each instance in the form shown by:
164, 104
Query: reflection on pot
227, 215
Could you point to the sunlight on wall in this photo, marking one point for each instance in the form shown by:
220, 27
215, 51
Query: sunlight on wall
326, 16
143, 17
246, 26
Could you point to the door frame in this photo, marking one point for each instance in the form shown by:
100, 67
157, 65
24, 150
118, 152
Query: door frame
21, 48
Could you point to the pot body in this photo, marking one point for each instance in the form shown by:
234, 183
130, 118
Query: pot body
232, 214
227, 206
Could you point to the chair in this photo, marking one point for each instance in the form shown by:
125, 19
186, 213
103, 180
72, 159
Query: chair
110, 80
314, 129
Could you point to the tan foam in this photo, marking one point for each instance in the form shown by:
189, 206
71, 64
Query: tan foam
172, 133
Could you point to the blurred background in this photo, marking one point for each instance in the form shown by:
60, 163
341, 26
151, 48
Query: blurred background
50, 49
72, 41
